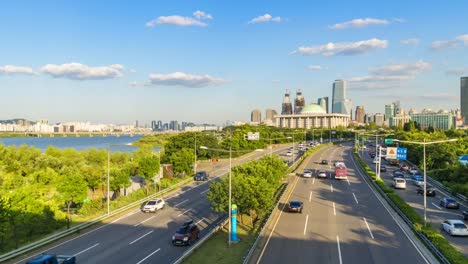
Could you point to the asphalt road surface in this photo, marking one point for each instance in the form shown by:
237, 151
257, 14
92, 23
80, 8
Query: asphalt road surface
342, 222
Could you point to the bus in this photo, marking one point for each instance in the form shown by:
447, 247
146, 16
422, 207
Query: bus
341, 172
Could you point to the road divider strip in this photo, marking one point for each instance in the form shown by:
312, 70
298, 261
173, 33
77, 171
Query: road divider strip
154, 252
355, 199
83, 251
368, 228
305, 226
141, 237
436, 206
184, 201
339, 249
135, 225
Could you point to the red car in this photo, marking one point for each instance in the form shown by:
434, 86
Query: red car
186, 234
404, 167
295, 206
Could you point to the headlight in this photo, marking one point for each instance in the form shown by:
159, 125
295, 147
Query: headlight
173, 237
185, 238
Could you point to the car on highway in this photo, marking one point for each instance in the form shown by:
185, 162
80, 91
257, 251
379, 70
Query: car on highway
399, 183
417, 176
295, 206
449, 203
372, 155
324, 162
321, 174
52, 259
186, 234
413, 170
289, 154
201, 176
465, 215
404, 167
430, 191
419, 182
153, 205
307, 173
383, 168
398, 174
455, 227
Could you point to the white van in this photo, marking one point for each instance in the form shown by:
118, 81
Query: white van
399, 183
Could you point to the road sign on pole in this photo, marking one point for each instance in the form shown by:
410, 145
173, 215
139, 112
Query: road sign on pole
253, 136
391, 153
402, 153
388, 141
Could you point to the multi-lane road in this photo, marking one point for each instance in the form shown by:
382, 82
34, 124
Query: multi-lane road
342, 222
435, 213
137, 237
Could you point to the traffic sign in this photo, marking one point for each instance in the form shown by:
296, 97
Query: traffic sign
253, 136
388, 141
402, 153
391, 153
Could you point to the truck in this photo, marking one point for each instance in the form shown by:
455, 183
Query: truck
52, 259
341, 172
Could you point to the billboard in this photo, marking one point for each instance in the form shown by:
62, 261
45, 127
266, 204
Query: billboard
253, 135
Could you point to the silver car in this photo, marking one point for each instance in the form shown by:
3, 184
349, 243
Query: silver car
322, 174
307, 174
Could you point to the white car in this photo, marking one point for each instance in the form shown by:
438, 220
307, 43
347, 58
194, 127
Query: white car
153, 205
413, 170
307, 174
455, 227
322, 174
419, 183
399, 183
289, 154
376, 160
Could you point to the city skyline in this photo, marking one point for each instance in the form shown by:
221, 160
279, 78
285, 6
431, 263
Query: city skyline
87, 62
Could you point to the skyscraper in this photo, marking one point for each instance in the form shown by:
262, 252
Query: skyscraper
299, 102
286, 108
464, 99
323, 102
397, 109
340, 104
269, 114
256, 116
360, 114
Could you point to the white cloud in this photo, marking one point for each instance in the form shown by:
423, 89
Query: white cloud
176, 20
265, 18
360, 23
402, 69
202, 15
78, 71
444, 44
463, 38
410, 41
438, 97
457, 71
344, 48
314, 67
14, 70
184, 79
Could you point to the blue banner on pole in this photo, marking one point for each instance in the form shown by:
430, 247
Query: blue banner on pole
402, 153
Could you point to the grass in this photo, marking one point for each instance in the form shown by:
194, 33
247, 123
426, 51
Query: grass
216, 250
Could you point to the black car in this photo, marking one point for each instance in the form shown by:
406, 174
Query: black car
324, 162
465, 215
430, 191
201, 176
295, 206
449, 203
398, 174
383, 168
186, 234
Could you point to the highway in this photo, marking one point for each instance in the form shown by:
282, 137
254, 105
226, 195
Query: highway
139, 238
434, 212
342, 222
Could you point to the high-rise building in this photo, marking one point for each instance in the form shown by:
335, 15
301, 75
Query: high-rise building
360, 114
389, 113
286, 108
397, 108
340, 104
464, 99
379, 119
438, 120
256, 116
270, 116
136, 123
299, 102
154, 125
323, 102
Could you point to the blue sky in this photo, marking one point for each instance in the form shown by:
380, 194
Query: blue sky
121, 61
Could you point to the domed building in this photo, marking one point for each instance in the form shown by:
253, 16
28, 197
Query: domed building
312, 116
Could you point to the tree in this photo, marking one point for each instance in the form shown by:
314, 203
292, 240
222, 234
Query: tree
72, 188
183, 161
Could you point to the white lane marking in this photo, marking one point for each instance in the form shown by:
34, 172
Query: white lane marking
184, 201
144, 221
205, 191
126, 215
76, 254
348, 181
184, 212
368, 228
305, 226
436, 206
355, 199
310, 196
141, 237
339, 249
313, 181
199, 220
156, 251
334, 210
331, 188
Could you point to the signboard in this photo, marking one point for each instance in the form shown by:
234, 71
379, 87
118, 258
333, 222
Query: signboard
333, 132
402, 153
253, 136
388, 141
391, 153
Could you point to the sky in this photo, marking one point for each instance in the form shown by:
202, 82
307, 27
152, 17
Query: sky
212, 61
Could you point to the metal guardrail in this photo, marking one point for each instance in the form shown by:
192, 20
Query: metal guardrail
420, 235
201, 241
74, 229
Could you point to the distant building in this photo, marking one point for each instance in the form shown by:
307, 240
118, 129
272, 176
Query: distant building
428, 118
312, 116
270, 119
400, 119
286, 108
379, 119
323, 102
174, 125
299, 102
389, 114
360, 114
256, 116
397, 107
464, 99
340, 104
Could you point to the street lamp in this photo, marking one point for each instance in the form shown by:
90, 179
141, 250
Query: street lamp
230, 182
424, 143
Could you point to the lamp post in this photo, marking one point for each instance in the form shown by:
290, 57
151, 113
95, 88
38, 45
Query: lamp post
424, 143
230, 183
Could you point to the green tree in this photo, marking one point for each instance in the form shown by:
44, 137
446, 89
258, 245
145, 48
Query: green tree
72, 188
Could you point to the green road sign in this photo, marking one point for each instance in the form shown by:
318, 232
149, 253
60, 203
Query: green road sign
388, 141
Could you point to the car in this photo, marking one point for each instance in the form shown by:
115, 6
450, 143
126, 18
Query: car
417, 176
307, 173
383, 168
336, 163
322, 174
419, 182
455, 227
404, 167
153, 205
413, 170
398, 174
295, 206
324, 162
186, 234
372, 155
449, 203
465, 215
399, 183
201, 176
289, 154
430, 191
